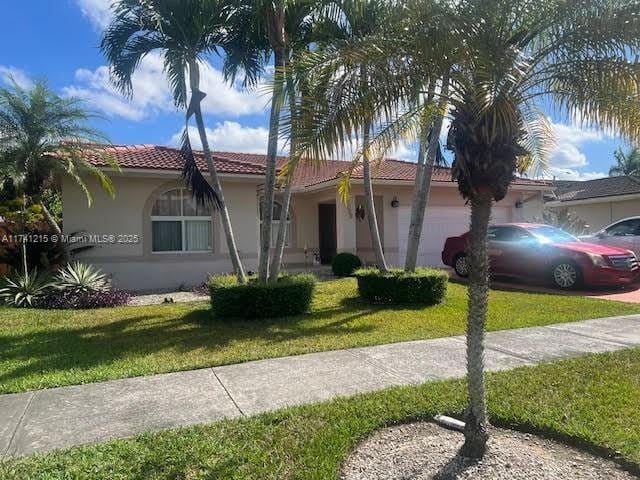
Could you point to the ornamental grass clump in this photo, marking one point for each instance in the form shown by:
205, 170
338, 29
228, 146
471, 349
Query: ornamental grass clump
290, 295
425, 286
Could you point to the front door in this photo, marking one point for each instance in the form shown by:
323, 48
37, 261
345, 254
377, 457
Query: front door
327, 230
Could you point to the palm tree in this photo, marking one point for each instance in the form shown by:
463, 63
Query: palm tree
264, 30
429, 154
509, 59
345, 21
184, 32
43, 135
627, 163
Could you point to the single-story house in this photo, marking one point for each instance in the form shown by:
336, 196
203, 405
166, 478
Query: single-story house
598, 202
152, 236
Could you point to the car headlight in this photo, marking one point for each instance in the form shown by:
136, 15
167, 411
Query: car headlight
598, 260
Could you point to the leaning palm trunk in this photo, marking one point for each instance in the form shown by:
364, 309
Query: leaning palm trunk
371, 207
276, 262
194, 79
475, 431
270, 173
58, 231
424, 175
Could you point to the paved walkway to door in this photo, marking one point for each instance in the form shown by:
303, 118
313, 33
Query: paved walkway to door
44, 420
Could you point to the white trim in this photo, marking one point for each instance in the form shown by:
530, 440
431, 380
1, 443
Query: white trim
410, 183
588, 201
183, 219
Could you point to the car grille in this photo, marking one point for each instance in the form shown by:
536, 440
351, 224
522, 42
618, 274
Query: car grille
624, 262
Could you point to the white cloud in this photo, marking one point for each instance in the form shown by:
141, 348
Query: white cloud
151, 94
98, 12
404, 151
568, 161
19, 76
230, 137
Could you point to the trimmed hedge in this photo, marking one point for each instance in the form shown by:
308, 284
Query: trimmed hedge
425, 286
344, 264
290, 295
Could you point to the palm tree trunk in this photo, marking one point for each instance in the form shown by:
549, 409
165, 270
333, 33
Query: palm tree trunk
276, 261
270, 173
194, 77
57, 230
25, 266
424, 176
419, 198
371, 207
475, 431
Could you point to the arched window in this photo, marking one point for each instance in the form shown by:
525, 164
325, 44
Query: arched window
178, 224
277, 213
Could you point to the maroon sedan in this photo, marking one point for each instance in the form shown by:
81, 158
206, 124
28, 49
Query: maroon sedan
542, 252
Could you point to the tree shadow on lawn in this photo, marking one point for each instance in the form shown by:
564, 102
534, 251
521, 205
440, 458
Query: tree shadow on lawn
195, 334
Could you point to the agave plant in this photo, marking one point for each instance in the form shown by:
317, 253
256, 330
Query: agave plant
25, 289
78, 277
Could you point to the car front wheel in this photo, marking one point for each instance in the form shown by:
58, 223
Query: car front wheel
566, 275
461, 265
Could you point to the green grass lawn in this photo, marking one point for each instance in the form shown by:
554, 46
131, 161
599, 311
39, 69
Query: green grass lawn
40, 349
591, 402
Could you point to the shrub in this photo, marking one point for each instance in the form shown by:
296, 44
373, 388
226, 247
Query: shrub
80, 278
290, 295
25, 290
344, 264
67, 299
422, 287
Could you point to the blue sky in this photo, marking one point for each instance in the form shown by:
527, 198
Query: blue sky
58, 41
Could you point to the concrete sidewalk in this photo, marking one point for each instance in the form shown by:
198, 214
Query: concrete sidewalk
44, 420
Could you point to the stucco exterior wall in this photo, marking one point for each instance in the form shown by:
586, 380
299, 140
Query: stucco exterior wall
131, 263
601, 214
134, 266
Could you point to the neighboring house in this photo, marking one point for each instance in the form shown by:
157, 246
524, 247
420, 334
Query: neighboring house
599, 202
161, 240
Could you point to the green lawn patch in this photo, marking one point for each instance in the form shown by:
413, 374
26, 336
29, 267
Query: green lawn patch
47, 348
591, 402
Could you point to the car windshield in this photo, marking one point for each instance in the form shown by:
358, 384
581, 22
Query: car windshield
550, 234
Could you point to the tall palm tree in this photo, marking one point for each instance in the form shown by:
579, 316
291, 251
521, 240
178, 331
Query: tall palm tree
185, 32
627, 163
429, 154
509, 59
43, 135
264, 30
346, 21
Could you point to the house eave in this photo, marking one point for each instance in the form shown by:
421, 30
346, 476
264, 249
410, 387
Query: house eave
590, 201
162, 173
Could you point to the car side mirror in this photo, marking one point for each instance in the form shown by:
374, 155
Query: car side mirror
601, 235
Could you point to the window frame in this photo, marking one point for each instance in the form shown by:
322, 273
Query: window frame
275, 225
183, 219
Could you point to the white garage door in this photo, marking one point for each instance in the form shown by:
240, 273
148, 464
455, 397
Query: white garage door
440, 223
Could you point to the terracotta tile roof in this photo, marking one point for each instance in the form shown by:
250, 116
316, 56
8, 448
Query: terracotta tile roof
600, 187
163, 158
306, 175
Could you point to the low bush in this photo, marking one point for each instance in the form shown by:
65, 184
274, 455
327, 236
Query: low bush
76, 285
62, 299
24, 290
290, 295
344, 264
423, 287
